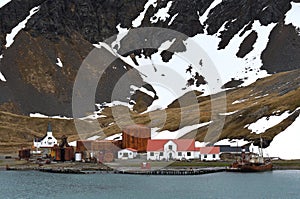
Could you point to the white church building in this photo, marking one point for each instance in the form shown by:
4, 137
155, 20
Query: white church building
48, 141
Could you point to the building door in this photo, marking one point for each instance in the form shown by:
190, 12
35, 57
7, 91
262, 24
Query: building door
170, 156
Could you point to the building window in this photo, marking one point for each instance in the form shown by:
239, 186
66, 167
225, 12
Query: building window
170, 147
205, 156
179, 153
161, 154
188, 153
214, 156
120, 153
151, 154
125, 154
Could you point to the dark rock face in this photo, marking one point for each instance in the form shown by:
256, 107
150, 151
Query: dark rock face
247, 45
95, 20
233, 83
282, 52
67, 28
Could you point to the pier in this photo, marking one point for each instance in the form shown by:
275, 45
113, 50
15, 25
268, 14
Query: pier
172, 171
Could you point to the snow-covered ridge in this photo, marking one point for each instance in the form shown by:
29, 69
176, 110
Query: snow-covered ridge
10, 37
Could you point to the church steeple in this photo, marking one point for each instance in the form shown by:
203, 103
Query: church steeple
49, 129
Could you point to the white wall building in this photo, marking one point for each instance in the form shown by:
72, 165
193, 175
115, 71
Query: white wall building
127, 153
171, 149
210, 153
47, 141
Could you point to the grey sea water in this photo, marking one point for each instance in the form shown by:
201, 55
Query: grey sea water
31, 184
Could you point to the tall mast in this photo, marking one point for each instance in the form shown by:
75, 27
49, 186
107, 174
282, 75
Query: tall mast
261, 151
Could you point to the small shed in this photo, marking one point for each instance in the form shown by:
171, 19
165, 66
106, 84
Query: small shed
127, 153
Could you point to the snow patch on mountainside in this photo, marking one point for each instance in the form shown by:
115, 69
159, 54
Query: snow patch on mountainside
204, 17
59, 63
2, 78
142, 89
264, 123
226, 61
95, 137
286, 144
4, 2
229, 113
162, 14
10, 37
122, 32
117, 136
39, 115
138, 21
172, 19
232, 143
176, 134
167, 79
293, 15
240, 101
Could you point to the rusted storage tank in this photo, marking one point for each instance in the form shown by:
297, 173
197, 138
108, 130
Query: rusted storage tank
84, 145
58, 153
104, 145
24, 153
108, 157
136, 137
69, 154
105, 150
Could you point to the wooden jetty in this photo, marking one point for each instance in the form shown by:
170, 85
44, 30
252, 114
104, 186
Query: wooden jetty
172, 171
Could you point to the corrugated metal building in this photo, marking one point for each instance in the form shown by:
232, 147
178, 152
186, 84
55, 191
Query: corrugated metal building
136, 137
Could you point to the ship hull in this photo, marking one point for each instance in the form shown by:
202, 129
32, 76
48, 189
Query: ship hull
250, 168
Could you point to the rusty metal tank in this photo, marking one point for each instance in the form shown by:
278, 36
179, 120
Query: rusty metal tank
136, 137
69, 154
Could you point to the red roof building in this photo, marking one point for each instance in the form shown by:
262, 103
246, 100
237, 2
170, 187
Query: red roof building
171, 149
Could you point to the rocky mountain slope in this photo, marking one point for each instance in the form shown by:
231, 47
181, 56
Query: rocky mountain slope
43, 44
244, 106
66, 30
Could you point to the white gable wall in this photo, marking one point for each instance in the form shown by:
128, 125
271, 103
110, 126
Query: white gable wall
170, 152
126, 154
210, 157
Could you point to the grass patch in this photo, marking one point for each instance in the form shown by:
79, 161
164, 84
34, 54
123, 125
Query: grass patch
199, 164
287, 163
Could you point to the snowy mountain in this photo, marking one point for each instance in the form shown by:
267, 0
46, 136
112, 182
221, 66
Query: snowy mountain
163, 55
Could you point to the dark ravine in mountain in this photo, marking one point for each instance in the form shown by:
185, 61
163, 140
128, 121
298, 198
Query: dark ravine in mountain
68, 28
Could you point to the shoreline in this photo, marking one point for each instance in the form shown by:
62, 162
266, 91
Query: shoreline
93, 168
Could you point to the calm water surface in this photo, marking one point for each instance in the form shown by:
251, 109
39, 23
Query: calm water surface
31, 184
